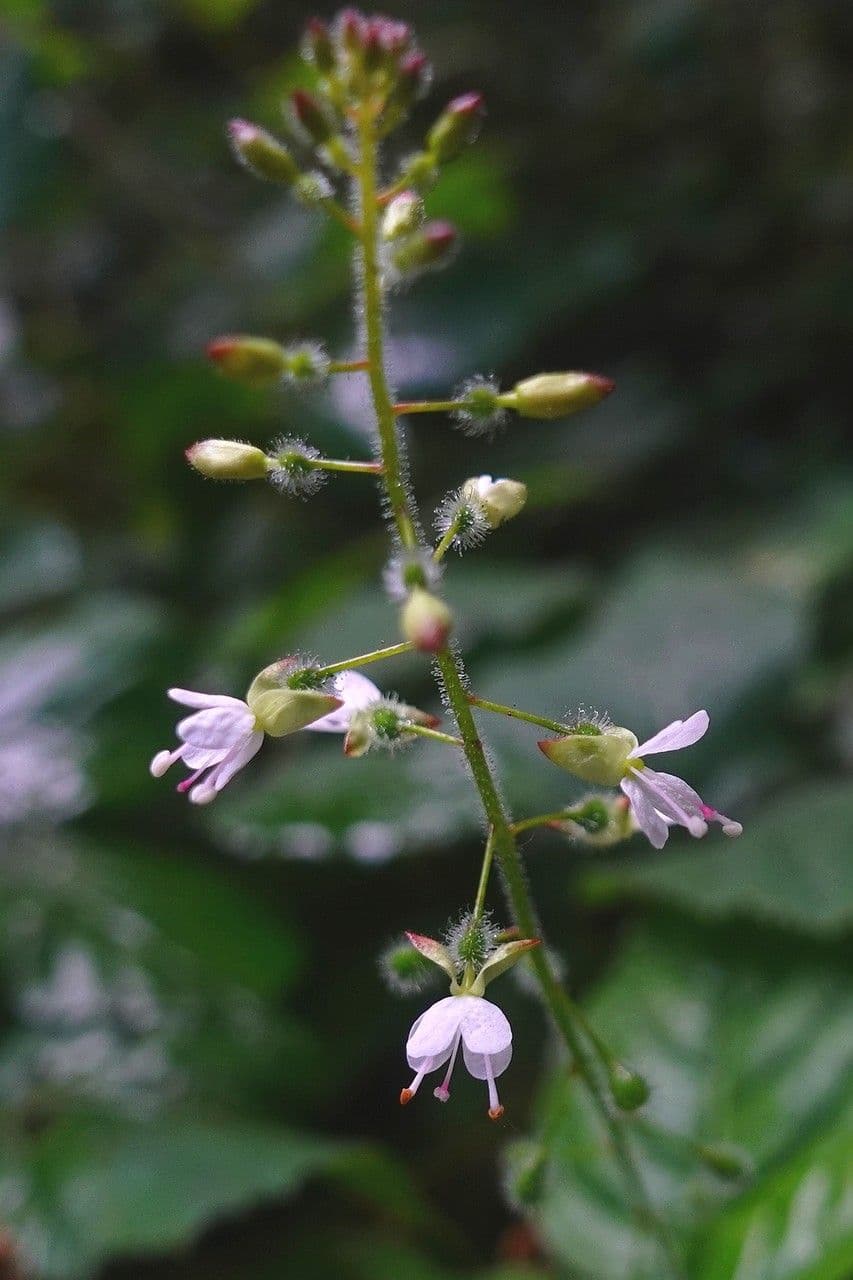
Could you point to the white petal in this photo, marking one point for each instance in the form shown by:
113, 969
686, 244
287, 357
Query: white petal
485, 1027
188, 698
237, 759
476, 1062
681, 733
217, 728
673, 798
357, 692
433, 1033
649, 820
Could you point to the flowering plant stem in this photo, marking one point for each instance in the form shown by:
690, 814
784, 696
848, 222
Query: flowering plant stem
452, 677
515, 714
364, 659
427, 406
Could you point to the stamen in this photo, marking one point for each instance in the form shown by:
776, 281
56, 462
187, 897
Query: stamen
495, 1108
730, 827
190, 781
163, 761
406, 1095
442, 1092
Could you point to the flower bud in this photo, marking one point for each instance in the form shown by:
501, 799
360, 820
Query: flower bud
500, 499
628, 1089
555, 395
726, 1160
261, 153
430, 247
228, 460
457, 127
351, 28
311, 189
317, 46
599, 756
599, 821
426, 621
404, 215
420, 171
360, 735
311, 116
278, 708
258, 361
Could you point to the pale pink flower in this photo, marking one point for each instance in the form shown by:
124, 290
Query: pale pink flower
661, 800
216, 742
479, 1026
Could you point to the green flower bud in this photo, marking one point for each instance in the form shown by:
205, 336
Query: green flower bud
555, 395
258, 361
598, 821
311, 116
404, 215
420, 171
228, 460
500, 499
426, 621
628, 1089
280, 709
261, 153
599, 757
456, 128
317, 46
429, 247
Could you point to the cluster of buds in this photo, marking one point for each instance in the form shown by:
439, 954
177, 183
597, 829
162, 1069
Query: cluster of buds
362, 58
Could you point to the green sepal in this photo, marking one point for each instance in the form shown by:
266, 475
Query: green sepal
435, 951
280, 710
501, 959
601, 759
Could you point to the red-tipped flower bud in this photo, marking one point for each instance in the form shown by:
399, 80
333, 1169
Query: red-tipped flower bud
261, 153
431, 246
258, 361
350, 27
312, 117
426, 621
555, 395
457, 127
317, 45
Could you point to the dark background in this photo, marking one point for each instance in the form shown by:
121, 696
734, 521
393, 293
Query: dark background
199, 1062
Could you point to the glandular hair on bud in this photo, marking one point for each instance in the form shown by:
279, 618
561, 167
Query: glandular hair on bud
291, 470
457, 127
470, 941
261, 153
426, 621
404, 215
556, 395
478, 411
228, 460
260, 362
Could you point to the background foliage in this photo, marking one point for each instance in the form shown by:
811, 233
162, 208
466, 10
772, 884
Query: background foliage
199, 1066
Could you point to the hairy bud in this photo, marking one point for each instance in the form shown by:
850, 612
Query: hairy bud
478, 411
317, 46
310, 115
228, 460
261, 153
426, 621
292, 470
555, 395
457, 127
428, 249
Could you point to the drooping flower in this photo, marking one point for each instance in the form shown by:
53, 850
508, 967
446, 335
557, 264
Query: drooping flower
479, 1026
609, 755
356, 693
216, 742
464, 1017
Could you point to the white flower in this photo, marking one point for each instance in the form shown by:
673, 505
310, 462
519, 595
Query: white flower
217, 741
661, 800
484, 1033
356, 693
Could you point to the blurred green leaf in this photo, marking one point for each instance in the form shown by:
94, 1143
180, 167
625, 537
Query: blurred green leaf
745, 1044
792, 867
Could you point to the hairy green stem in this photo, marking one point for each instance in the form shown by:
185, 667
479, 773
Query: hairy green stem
421, 731
502, 843
515, 714
363, 659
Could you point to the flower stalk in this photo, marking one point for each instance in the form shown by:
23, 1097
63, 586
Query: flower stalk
501, 844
